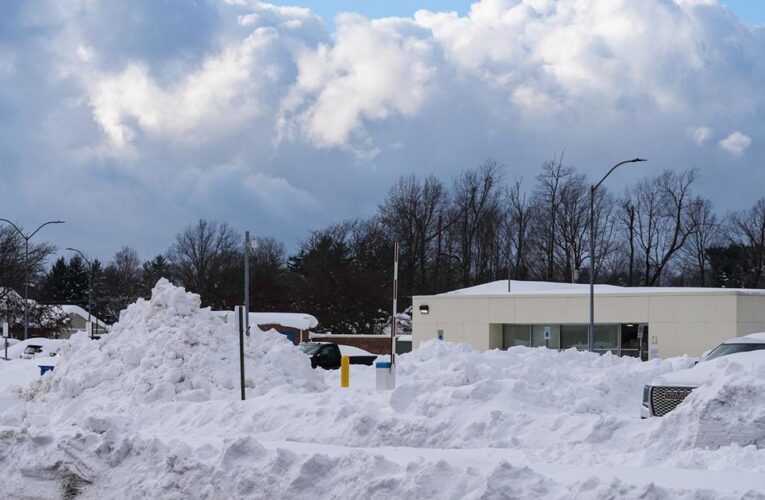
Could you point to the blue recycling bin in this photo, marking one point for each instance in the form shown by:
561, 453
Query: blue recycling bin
45, 368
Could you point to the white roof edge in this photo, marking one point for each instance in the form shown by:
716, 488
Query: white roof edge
540, 289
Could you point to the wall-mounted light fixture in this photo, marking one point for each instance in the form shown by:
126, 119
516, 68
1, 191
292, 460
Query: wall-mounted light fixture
424, 309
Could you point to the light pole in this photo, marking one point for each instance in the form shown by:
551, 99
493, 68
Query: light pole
591, 329
90, 285
26, 266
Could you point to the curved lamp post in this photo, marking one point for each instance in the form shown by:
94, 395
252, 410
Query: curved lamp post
26, 266
593, 188
90, 285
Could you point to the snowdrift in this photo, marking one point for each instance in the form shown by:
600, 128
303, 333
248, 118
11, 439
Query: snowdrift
168, 348
152, 411
728, 409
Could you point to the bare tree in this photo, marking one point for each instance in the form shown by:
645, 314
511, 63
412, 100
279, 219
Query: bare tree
706, 235
411, 213
664, 224
206, 259
748, 230
12, 265
476, 212
520, 214
547, 196
122, 282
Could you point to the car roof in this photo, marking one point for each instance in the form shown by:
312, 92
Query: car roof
752, 338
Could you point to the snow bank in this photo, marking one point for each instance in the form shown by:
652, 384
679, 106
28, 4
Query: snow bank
152, 411
170, 349
728, 409
450, 396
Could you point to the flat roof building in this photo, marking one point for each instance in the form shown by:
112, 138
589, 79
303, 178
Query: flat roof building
630, 321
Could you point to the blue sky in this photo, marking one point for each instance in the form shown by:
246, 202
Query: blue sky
132, 119
751, 11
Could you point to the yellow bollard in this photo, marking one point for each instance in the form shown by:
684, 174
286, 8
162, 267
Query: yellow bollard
345, 371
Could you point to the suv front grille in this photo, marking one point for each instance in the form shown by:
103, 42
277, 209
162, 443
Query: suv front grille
666, 399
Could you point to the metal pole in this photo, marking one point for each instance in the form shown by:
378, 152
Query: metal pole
26, 288
247, 282
395, 306
591, 329
241, 349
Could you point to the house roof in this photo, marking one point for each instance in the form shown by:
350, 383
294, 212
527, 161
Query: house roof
500, 288
299, 321
79, 311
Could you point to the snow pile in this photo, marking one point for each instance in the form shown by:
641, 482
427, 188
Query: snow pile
152, 411
728, 409
450, 396
168, 348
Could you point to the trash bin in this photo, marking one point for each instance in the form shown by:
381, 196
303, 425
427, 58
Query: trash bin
45, 368
386, 376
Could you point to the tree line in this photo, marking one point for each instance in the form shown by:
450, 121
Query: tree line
479, 227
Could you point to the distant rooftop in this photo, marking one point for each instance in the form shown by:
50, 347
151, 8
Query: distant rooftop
548, 288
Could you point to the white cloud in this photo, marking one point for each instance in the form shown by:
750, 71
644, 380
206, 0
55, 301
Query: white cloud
340, 115
736, 143
374, 69
221, 94
699, 135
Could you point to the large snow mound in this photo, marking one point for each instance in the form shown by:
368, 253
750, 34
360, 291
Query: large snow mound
728, 409
168, 348
451, 396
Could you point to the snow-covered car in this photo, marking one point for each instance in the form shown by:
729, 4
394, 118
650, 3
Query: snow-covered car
327, 355
665, 393
32, 350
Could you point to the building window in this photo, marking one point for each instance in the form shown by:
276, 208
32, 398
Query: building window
573, 336
513, 335
563, 336
606, 338
538, 336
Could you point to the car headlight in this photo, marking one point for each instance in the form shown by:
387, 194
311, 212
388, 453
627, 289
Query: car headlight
646, 394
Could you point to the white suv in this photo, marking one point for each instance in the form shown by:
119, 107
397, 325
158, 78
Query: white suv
665, 393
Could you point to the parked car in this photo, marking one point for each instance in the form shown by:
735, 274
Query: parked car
327, 355
323, 354
665, 393
31, 350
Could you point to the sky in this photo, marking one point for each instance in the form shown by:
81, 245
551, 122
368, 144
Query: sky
131, 120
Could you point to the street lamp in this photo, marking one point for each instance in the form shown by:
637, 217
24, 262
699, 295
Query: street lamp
591, 329
90, 285
26, 266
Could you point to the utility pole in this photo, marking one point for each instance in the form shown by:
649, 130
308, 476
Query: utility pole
247, 244
395, 306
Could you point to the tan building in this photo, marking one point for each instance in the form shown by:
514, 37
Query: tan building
78, 321
662, 322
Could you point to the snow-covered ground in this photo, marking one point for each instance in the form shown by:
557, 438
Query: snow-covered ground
153, 411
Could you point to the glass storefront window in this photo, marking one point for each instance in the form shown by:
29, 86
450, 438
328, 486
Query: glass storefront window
573, 336
538, 336
514, 335
614, 338
606, 338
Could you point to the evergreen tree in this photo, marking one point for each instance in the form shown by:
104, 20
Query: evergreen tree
153, 270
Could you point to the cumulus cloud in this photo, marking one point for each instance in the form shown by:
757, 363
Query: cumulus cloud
240, 107
699, 135
736, 143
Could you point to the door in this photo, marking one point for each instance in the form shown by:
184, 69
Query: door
632, 343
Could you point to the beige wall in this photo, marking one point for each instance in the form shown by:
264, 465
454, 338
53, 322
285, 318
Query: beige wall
677, 323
